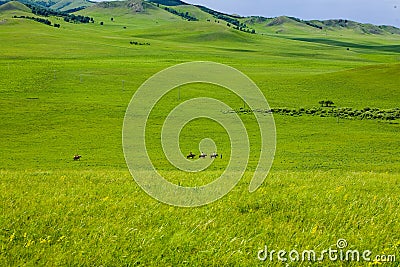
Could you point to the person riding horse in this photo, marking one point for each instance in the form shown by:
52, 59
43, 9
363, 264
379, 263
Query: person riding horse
191, 155
202, 155
214, 155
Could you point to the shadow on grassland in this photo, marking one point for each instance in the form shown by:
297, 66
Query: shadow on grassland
385, 48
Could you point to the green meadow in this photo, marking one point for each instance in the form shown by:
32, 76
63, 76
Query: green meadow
64, 91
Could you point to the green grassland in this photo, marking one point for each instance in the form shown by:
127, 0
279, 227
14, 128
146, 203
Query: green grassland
65, 91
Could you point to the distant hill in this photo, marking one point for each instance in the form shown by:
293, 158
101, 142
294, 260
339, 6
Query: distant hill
168, 2
290, 25
14, 6
282, 24
253, 24
360, 27
136, 6
59, 5
66, 5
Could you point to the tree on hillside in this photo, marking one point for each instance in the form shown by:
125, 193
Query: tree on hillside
327, 103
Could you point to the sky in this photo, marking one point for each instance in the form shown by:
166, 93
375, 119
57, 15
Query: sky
379, 12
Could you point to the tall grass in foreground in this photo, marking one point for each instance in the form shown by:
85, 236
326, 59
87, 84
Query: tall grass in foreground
103, 218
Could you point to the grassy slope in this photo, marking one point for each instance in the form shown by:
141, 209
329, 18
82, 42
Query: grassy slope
62, 94
13, 5
280, 25
64, 4
194, 11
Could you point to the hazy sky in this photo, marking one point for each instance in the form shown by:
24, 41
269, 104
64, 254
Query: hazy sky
368, 11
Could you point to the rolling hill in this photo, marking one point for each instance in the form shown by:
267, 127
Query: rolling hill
278, 25
291, 25
66, 5
14, 6
59, 5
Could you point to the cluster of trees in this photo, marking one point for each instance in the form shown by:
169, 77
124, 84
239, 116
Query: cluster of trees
137, 43
72, 10
313, 25
326, 103
248, 111
366, 113
46, 12
44, 3
224, 17
184, 15
342, 22
243, 29
40, 20
343, 113
309, 23
168, 2
231, 20
78, 18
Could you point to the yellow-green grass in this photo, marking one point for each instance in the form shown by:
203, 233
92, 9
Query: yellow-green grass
104, 218
62, 93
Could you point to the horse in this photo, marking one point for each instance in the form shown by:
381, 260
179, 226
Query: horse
190, 156
77, 157
202, 155
214, 155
